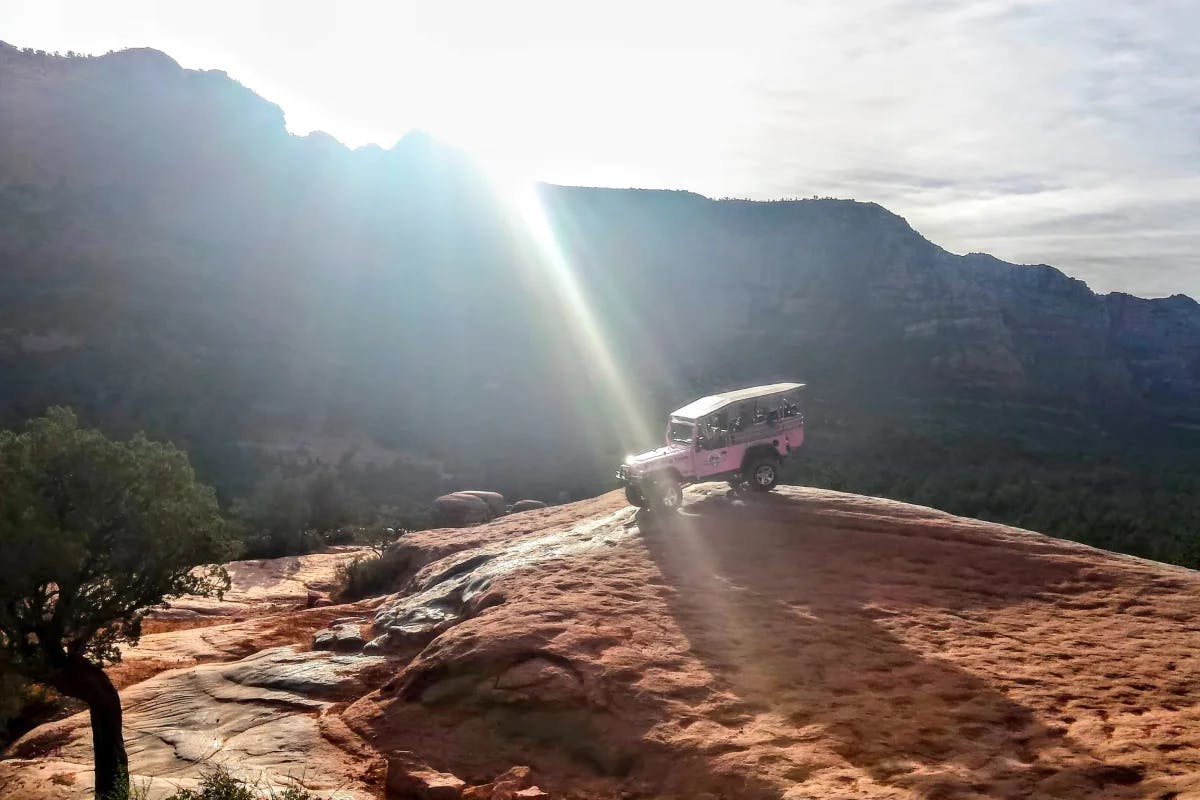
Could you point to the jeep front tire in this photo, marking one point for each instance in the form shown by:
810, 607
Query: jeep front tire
762, 474
634, 496
665, 494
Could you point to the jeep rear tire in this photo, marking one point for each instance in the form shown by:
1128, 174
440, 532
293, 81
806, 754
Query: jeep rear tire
762, 474
665, 494
634, 496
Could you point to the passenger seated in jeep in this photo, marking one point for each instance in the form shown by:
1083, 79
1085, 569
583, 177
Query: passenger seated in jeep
712, 434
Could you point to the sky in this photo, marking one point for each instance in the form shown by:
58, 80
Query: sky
1065, 133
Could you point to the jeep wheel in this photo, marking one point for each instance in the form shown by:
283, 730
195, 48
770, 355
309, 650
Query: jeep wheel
763, 474
634, 496
666, 494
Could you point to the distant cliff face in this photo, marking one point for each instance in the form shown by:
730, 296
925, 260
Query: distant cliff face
172, 258
822, 279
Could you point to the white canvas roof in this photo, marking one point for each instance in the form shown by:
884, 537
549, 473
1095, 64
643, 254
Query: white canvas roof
715, 402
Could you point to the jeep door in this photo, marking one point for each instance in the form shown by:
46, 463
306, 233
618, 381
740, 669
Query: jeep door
712, 462
718, 455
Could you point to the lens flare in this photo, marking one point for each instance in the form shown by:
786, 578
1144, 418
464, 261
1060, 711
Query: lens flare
551, 269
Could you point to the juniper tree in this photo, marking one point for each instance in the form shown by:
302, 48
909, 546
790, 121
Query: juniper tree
93, 534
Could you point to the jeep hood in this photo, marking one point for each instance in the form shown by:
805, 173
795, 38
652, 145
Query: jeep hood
653, 455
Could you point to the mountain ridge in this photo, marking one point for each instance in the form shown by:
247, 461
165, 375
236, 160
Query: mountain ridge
173, 259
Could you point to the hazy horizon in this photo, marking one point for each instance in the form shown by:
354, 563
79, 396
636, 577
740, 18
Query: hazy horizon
1055, 133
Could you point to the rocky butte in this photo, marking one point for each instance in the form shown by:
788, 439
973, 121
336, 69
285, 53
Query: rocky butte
803, 644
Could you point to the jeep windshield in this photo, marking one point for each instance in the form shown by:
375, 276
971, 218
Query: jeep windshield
681, 432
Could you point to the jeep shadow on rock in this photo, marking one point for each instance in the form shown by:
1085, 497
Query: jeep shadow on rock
741, 437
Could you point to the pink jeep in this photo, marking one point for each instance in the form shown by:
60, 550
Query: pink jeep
740, 436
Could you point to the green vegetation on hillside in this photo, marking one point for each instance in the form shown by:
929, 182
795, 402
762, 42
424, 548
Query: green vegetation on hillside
1129, 489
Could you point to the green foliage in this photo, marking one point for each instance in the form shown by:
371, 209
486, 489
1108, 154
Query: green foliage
129, 791
381, 533
274, 519
1119, 489
378, 537
218, 784
378, 572
289, 515
371, 575
95, 533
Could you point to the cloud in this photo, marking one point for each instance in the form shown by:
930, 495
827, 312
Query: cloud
1064, 133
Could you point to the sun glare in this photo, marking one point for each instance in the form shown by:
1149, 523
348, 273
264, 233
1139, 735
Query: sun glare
548, 258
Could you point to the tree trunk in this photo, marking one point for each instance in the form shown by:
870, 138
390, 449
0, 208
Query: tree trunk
84, 680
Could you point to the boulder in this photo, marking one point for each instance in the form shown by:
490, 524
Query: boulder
510, 785
460, 509
514, 778
495, 501
539, 679
526, 505
346, 637
409, 778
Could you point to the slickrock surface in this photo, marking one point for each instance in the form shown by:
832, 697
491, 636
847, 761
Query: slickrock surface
262, 716
802, 644
263, 585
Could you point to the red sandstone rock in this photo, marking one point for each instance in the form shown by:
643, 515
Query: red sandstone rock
513, 783
495, 501
460, 509
408, 778
805, 644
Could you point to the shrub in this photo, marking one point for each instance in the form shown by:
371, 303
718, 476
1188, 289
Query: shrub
378, 537
371, 575
220, 785
287, 516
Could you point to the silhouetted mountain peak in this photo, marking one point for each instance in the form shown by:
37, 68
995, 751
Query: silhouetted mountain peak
143, 58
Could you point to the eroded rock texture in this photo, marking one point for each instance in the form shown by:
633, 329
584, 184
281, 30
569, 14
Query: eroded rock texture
799, 644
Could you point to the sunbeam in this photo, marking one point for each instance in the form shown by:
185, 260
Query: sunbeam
544, 254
